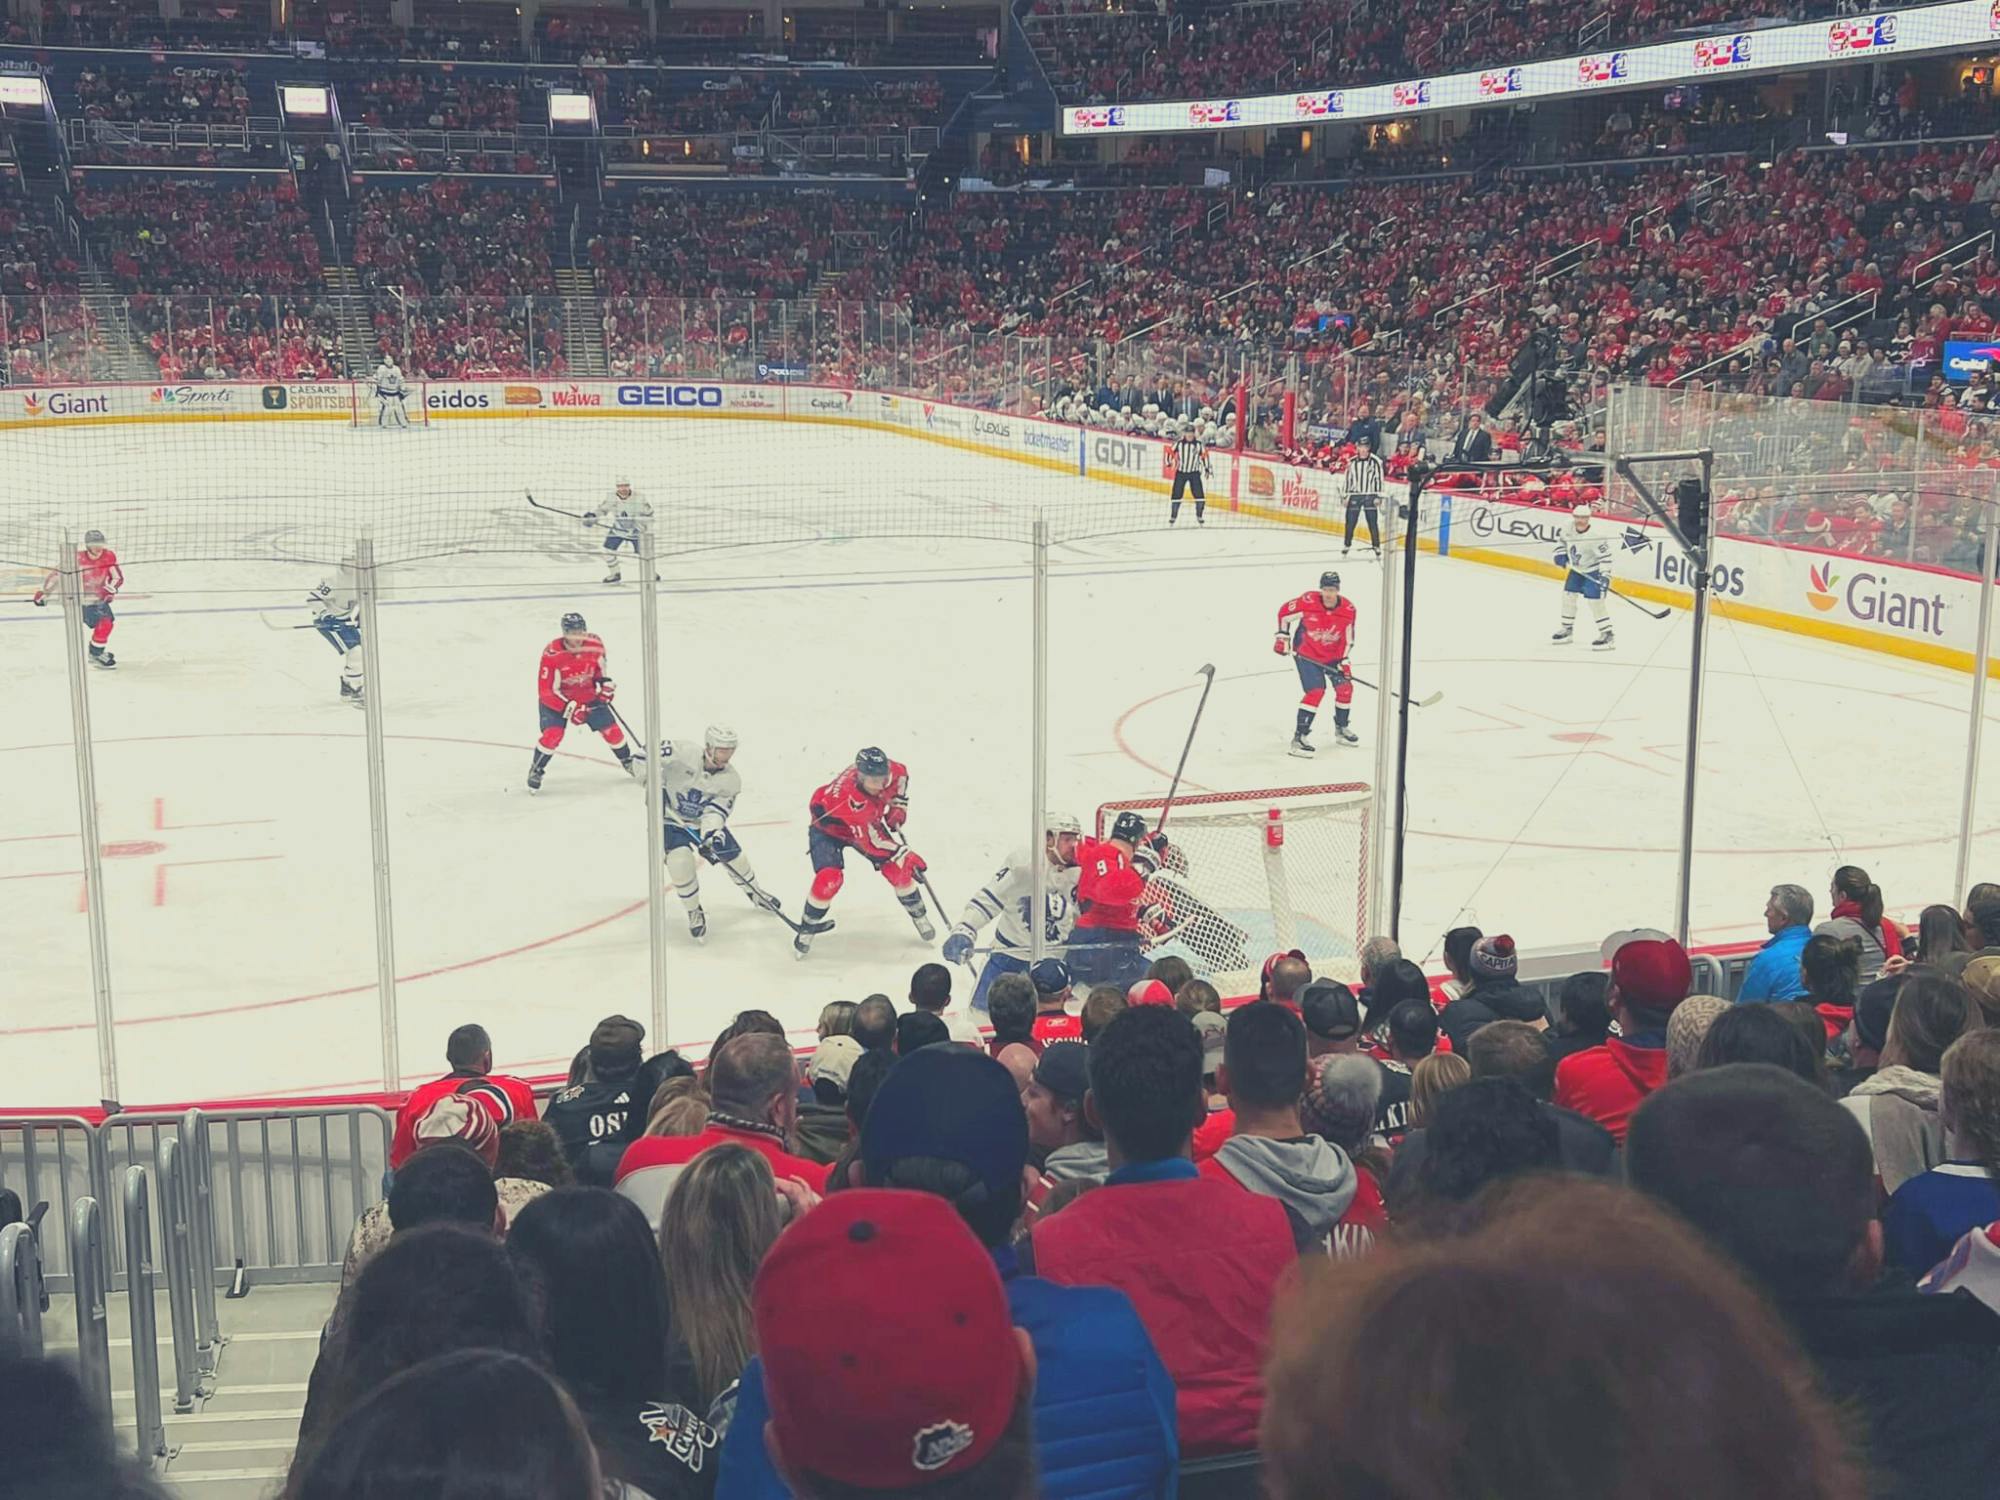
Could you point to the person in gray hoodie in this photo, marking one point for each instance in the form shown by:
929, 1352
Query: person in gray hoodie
1264, 1073
1059, 1132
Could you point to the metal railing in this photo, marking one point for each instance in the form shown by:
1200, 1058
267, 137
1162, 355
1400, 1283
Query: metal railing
53, 1159
150, 1421
20, 1291
174, 1244
91, 1257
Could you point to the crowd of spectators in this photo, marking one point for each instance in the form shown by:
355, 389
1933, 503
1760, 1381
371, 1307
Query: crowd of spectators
653, 104
887, 104
427, 99
1066, 1244
161, 92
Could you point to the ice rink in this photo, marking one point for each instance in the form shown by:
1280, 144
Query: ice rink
829, 588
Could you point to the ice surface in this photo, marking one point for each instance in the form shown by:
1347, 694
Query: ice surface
1544, 788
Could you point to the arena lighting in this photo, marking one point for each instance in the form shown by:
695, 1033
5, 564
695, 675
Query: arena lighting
1955, 26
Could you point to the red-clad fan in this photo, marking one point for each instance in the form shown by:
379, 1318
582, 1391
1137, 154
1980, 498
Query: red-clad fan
1106, 946
1317, 631
863, 809
575, 689
99, 578
469, 1051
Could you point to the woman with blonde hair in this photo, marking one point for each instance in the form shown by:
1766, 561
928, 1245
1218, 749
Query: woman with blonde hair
680, 1107
1437, 1074
722, 1215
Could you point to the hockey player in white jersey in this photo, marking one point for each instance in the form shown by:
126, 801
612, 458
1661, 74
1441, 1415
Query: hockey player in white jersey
1586, 551
1005, 901
336, 614
699, 789
390, 396
621, 518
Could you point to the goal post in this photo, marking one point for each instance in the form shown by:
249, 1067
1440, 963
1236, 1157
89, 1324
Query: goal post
361, 402
1260, 872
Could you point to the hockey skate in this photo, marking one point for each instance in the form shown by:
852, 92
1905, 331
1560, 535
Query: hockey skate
1342, 735
1603, 641
634, 767
614, 578
349, 693
1302, 747
1563, 633
697, 923
537, 764
801, 944
99, 657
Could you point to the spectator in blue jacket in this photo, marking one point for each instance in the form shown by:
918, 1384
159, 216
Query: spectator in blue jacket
1774, 973
949, 1121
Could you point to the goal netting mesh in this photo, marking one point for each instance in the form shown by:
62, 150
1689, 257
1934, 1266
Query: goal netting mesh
1260, 872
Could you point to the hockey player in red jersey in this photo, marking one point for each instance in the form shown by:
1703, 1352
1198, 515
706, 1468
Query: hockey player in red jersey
863, 809
100, 579
575, 690
1317, 630
1107, 945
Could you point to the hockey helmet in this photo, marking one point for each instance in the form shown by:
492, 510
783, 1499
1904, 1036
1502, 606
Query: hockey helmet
1330, 580
1064, 823
872, 762
621, 484
1581, 514
719, 737
93, 538
1129, 827
573, 621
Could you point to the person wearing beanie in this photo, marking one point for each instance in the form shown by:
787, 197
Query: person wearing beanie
1053, 986
1649, 978
1492, 993
948, 1124
1867, 1034
599, 1117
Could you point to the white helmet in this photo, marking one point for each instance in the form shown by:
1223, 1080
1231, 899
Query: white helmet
1064, 823
621, 483
719, 737
1582, 512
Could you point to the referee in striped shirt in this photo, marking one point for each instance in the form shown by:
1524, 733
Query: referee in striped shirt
1190, 465
1363, 483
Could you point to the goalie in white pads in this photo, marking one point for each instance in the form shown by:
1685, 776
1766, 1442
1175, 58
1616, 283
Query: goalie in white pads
390, 410
336, 613
699, 791
1586, 551
621, 518
1006, 900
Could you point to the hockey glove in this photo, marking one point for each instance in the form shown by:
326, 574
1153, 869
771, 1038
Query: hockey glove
1282, 645
715, 845
578, 712
40, 599
590, 518
1562, 557
606, 689
913, 863
958, 946
1341, 673
896, 817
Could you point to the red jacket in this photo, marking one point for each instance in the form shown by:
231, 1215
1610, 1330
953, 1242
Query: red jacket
506, 1099
647, 1170
1607, 1083
1202, 1261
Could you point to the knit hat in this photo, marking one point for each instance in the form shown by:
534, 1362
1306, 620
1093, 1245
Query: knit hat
1214, 1032
1877, 1002
467, 1121
1050, 976
1330, 1011
1494, 957
833, 1060
1064, 1070
614, 1046
1686, 1027
1150, 992
1652, 974
1982, 983
953, 1104
876, 1378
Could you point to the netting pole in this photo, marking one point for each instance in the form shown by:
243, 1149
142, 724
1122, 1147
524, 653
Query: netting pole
365, 587
1691, 769
656, 879
1989, 554
1387, 744
1038, 569
75, 645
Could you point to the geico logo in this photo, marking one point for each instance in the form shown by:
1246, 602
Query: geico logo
458, 401
670, 395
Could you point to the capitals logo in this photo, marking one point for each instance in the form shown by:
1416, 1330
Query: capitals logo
1411, 95
1610, 67
1819, 590
1862, 34
1499, 82
1711, 53
1334, 102
1220, 112
1108, 116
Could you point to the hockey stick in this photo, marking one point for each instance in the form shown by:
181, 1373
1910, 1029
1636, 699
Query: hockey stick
1648, 613
762, 899
272, 624
574, 515
1207, 675
1414, 702
902, 846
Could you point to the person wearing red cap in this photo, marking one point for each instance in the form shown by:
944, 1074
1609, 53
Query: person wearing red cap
1649, 977
1200, 1258
880, 1381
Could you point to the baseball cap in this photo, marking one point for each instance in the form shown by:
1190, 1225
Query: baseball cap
833, 1060
1982, 982
954, 1104
876, 1378
1064, 1069
1652, 973
614, 1045
467, 1121
1150, 992
1051, 976
1330, 1011
1213, 1031
1272, 963
1608, 949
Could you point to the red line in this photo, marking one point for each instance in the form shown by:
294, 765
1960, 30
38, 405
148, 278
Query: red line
160, 885
34, 838
159, 814
352, 989
42, 875
1118, 734
83, 896
225, 823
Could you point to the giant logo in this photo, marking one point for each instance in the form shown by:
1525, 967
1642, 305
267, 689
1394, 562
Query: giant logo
1715, 52
1497, 83
1874, 599
1860, 34
65, 404
682, 396
1609, 67
1820, 581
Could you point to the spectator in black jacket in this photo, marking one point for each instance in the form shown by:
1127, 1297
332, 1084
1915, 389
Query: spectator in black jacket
1782, 1178
598, 1118
1583, 1014
1494, 993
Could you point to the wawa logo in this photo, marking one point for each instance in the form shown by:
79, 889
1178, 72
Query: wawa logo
575, 396
1819, 590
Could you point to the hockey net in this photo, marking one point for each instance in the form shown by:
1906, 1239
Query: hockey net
1259, 872
361, 403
